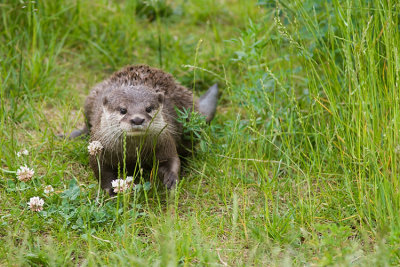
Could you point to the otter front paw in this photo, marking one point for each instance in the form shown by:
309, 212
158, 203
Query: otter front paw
170, 180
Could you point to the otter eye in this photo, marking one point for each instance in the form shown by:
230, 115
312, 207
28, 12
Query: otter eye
149, 109
122, 110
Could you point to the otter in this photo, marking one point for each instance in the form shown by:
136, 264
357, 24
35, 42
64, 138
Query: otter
133, 115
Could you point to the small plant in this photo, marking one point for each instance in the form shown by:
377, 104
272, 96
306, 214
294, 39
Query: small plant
193, 123
151, 9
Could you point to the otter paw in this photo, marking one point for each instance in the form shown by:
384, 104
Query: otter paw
170, 180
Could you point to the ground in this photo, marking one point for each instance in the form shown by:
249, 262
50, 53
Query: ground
299, 166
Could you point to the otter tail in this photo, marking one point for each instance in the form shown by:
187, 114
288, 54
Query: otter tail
75, 133
208, 102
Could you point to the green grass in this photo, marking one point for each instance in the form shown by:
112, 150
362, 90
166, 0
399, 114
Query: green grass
299, 167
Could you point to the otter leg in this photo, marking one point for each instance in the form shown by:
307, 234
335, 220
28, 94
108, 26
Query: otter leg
107, 175
169, 163
168, 170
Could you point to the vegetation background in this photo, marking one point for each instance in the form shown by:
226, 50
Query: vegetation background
299, 167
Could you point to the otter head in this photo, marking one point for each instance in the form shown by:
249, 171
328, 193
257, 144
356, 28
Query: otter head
136, 110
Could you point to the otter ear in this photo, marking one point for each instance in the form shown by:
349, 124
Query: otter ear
105, 100
160, 97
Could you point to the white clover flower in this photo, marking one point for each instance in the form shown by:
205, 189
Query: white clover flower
48, 189
22, 152
129, 179
36, 203
95, 147
119, 185
24, 173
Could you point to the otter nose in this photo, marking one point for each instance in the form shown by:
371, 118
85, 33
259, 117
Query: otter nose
137, 121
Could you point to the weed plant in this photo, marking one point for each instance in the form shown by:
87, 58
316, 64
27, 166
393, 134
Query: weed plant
299, 167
